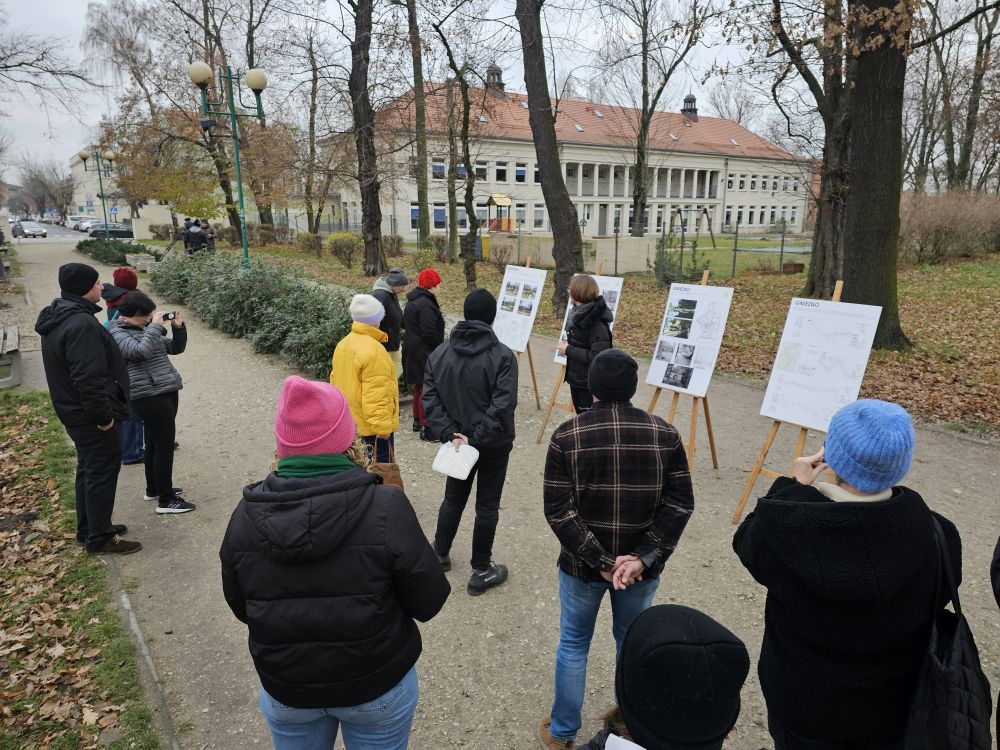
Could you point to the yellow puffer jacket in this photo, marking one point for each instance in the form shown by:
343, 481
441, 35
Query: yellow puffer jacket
363, 370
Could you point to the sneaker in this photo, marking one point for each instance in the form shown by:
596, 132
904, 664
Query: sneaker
120, 529
481, 580
445, 560
149, 496
416, 426
177, 505
116, 546
427, 436
547, 740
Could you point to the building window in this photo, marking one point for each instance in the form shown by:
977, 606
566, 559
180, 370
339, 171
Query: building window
586, 171
482, 212
538, 176
795, 186
520, 172
501, 171
462, 216
753, 182
784, 210
520, 214
794, 211
414, 216
482, 168
618, 218
437, 169
761, 217
729, 216
773, 212
539, 219
774, 183
729, 182
645, 218
440, 216
412, 166
784, 184
460, 170
743, 182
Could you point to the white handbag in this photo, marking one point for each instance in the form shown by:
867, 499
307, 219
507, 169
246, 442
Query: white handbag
455, 464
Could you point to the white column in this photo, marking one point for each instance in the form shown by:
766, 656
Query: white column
656, 183
670, 180
597, 179
579, 178
625, 181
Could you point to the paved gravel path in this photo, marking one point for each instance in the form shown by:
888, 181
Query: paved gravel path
486, 671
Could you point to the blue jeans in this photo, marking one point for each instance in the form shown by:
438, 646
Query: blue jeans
132, 448
382, 457
579, 603
381, 724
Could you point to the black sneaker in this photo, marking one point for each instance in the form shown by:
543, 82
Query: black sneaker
445, 560
416, 426
116, 546
150, 496
120, 529
177, 505
481, 580
427, 436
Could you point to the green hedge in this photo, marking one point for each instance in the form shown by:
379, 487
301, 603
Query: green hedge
110, 251
269, 305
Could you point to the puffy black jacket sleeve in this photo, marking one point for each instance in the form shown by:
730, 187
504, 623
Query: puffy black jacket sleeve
178, 340
88, 369
502, 403
440, 422
230, 587
600, 339
995, 577
417, 577
746, 544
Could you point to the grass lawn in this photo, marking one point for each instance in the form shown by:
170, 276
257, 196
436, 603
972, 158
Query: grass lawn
68, 671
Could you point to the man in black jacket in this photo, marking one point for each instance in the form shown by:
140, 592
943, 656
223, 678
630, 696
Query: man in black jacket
470, 393
88, 384
387, 291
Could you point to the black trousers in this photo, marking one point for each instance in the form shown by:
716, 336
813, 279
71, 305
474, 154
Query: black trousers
582, 398
159, 414
491, 469
785, 739
98, 461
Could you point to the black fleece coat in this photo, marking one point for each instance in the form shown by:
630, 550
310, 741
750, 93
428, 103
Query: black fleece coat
995, 575
850, 590
588, 333
470, 387
329, 573
85, 370
423, 332
393, 320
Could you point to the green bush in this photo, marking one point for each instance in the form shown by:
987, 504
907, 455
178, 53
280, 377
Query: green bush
345, 247
424, 258
310, 243
109, 251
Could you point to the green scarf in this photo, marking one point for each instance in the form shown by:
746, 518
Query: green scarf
314, 466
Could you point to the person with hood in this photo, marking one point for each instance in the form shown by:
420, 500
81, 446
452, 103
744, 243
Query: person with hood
470, 394
423, 326
141, 335
364, 373
125, 281
850, 569
89, 387
195, 238
588, 332
387, 290
329, 568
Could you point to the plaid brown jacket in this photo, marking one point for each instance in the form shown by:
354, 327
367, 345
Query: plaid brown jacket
616, 483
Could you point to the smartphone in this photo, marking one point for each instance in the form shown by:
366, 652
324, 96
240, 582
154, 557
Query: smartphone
169, 315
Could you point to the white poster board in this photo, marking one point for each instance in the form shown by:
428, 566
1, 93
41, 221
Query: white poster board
517, 305
690, 336
611, 290
821, 361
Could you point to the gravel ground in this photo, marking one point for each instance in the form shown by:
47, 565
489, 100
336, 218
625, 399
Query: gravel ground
486, 670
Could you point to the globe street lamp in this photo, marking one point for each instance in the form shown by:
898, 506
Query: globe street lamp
105, 165
201, 76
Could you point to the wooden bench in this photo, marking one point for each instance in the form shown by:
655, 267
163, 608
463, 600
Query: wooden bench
10, 356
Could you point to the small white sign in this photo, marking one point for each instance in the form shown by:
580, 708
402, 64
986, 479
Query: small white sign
517, 305
611, 290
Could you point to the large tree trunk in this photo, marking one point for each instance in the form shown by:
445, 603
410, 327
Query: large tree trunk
420, 109
826, 266
567, 245
452, 178
875, 157
640, 188
364, 138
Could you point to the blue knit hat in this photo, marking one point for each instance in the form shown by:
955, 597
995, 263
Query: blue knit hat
870, 444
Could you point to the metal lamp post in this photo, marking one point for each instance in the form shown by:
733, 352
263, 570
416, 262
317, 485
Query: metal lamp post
99, 159
201, 76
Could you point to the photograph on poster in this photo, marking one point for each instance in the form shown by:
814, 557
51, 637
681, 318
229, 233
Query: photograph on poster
524, 308
685, 355
677, 376
530, 291
511, 287
683, 309
611, 298
507, 305
665, 350
679, 328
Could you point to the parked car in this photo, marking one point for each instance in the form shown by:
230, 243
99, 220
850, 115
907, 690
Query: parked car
29, 229
85, 223
96, 230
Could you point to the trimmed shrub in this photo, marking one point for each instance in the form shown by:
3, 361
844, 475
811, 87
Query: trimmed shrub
310, 243
393, 245
283, 235
109, 251
439, 246
346, 247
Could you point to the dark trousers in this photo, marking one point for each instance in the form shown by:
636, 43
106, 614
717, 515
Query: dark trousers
785, 739
492, 471
98, 461
380, 456
419, 415
582, 398
132, 439
159, 415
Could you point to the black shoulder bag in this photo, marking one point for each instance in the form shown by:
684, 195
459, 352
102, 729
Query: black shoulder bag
951, 705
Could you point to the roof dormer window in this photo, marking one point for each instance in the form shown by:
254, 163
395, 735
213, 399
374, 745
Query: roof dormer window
578, 127
674, 137
598, 113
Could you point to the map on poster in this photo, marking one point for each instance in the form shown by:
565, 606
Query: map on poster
611, 290
821, 361
517, 305
690, 337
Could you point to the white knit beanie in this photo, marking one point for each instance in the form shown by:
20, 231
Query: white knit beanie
366, 309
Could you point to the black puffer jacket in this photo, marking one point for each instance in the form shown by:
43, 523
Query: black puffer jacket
995, 578
329, 574
470, 387
588, 333
850, 589
87, 378
392, 323
423, 326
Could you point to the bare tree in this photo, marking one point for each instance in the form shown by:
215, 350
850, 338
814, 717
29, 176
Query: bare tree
732, 101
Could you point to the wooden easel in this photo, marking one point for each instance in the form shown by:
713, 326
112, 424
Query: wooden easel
691, 446
553, 403
800, 444
531, 360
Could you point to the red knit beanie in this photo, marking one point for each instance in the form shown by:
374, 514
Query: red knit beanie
313, 418
428, 278
126, 279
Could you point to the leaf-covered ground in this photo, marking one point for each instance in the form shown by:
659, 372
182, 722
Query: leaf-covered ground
68, 674
951, 314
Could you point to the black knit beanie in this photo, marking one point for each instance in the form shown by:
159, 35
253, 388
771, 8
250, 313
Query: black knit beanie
77, 278
679, 678
613, 376
482, 306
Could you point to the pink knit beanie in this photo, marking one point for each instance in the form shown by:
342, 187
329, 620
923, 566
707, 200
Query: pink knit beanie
313, 418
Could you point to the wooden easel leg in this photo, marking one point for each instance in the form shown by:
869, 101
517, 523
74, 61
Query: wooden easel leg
552, 403
756, 471
800, 443
673, 407
711, 433
692, 446
534, 380
654, 401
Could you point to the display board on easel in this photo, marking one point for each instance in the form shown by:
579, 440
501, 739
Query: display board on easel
819, 367
686, 351
517, 307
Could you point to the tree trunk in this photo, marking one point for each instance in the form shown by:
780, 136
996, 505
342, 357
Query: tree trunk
827, 260
452, 178
875, 154
567, 245
364, 138
420, 109
639, 188
221, 161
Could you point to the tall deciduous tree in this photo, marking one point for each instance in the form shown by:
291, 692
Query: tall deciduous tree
420, 121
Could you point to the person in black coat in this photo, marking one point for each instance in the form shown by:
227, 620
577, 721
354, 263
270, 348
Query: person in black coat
387, 291
89, 386
995, 579
850, 570
588, 332
423, 326
329, 568
470, 394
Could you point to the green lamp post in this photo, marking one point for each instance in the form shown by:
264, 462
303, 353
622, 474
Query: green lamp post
201, 76
105, 165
